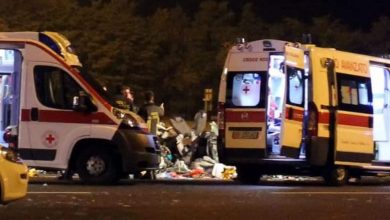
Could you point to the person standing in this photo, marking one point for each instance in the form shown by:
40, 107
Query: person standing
125, 99
151, 112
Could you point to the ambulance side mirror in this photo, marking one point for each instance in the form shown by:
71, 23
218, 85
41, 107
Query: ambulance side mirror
83, 103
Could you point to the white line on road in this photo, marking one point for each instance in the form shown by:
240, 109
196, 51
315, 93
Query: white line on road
332, 193
59, 192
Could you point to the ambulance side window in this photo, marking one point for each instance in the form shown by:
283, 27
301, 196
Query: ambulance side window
295, 86
354, 93
54, 87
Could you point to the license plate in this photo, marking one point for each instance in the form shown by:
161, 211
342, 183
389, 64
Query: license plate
245, 134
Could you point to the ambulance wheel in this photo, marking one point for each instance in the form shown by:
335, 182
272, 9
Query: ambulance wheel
248, 175
97, 166
336, 176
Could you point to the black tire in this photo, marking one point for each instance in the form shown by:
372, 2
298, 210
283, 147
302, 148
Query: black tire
98, 166
336, 176
248, 175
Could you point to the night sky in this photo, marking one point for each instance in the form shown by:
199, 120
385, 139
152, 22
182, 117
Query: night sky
357, 14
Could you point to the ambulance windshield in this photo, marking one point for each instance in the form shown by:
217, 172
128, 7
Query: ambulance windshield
106, 94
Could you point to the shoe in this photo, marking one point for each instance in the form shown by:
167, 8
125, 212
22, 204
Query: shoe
209, 159
181, 167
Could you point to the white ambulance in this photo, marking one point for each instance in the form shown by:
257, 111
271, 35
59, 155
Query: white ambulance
290, 108
62, 119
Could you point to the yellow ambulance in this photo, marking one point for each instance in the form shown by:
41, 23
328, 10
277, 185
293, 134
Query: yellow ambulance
297, 108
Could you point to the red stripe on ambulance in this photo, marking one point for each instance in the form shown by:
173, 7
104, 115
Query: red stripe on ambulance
68, 117
347, 119
294, 114
354, 120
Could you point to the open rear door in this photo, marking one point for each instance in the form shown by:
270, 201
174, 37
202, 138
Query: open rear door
291, 133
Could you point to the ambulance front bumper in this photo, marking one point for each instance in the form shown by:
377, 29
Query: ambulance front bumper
142, 161
139, 150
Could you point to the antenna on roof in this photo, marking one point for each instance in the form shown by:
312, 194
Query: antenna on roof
306, 38
240, 40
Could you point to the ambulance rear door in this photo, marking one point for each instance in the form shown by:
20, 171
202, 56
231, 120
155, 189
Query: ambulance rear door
245, 113
293, 111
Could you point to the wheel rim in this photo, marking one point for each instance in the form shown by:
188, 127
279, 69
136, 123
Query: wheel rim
95, 165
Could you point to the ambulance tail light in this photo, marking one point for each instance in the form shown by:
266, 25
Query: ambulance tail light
313, 120
221, 117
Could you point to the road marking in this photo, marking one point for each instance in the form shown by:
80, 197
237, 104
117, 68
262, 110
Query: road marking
59, 192
332, 193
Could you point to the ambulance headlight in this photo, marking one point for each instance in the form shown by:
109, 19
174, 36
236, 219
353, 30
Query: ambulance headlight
129, 122
119, 114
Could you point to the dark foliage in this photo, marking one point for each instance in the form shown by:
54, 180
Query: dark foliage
177, 48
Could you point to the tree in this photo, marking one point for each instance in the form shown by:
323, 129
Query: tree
378, 38
178, 48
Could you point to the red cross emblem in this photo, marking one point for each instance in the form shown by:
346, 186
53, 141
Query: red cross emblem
50, 138
246, 89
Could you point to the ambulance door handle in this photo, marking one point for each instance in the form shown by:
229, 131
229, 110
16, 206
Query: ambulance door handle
34, 114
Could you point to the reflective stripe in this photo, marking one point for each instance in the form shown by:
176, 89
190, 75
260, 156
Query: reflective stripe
58, 116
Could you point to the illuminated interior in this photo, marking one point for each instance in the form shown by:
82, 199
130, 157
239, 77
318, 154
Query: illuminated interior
380, 81
276, 90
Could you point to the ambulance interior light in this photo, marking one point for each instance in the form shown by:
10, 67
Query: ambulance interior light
240, 44
70, 49
267, 44
225, 71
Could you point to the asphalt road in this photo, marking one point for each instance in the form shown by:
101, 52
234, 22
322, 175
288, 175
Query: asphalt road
52, 199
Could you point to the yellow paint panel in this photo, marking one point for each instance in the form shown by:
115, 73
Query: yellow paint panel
294, 57
292, 134
12, 186
351, 63
319, 76
354, 139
